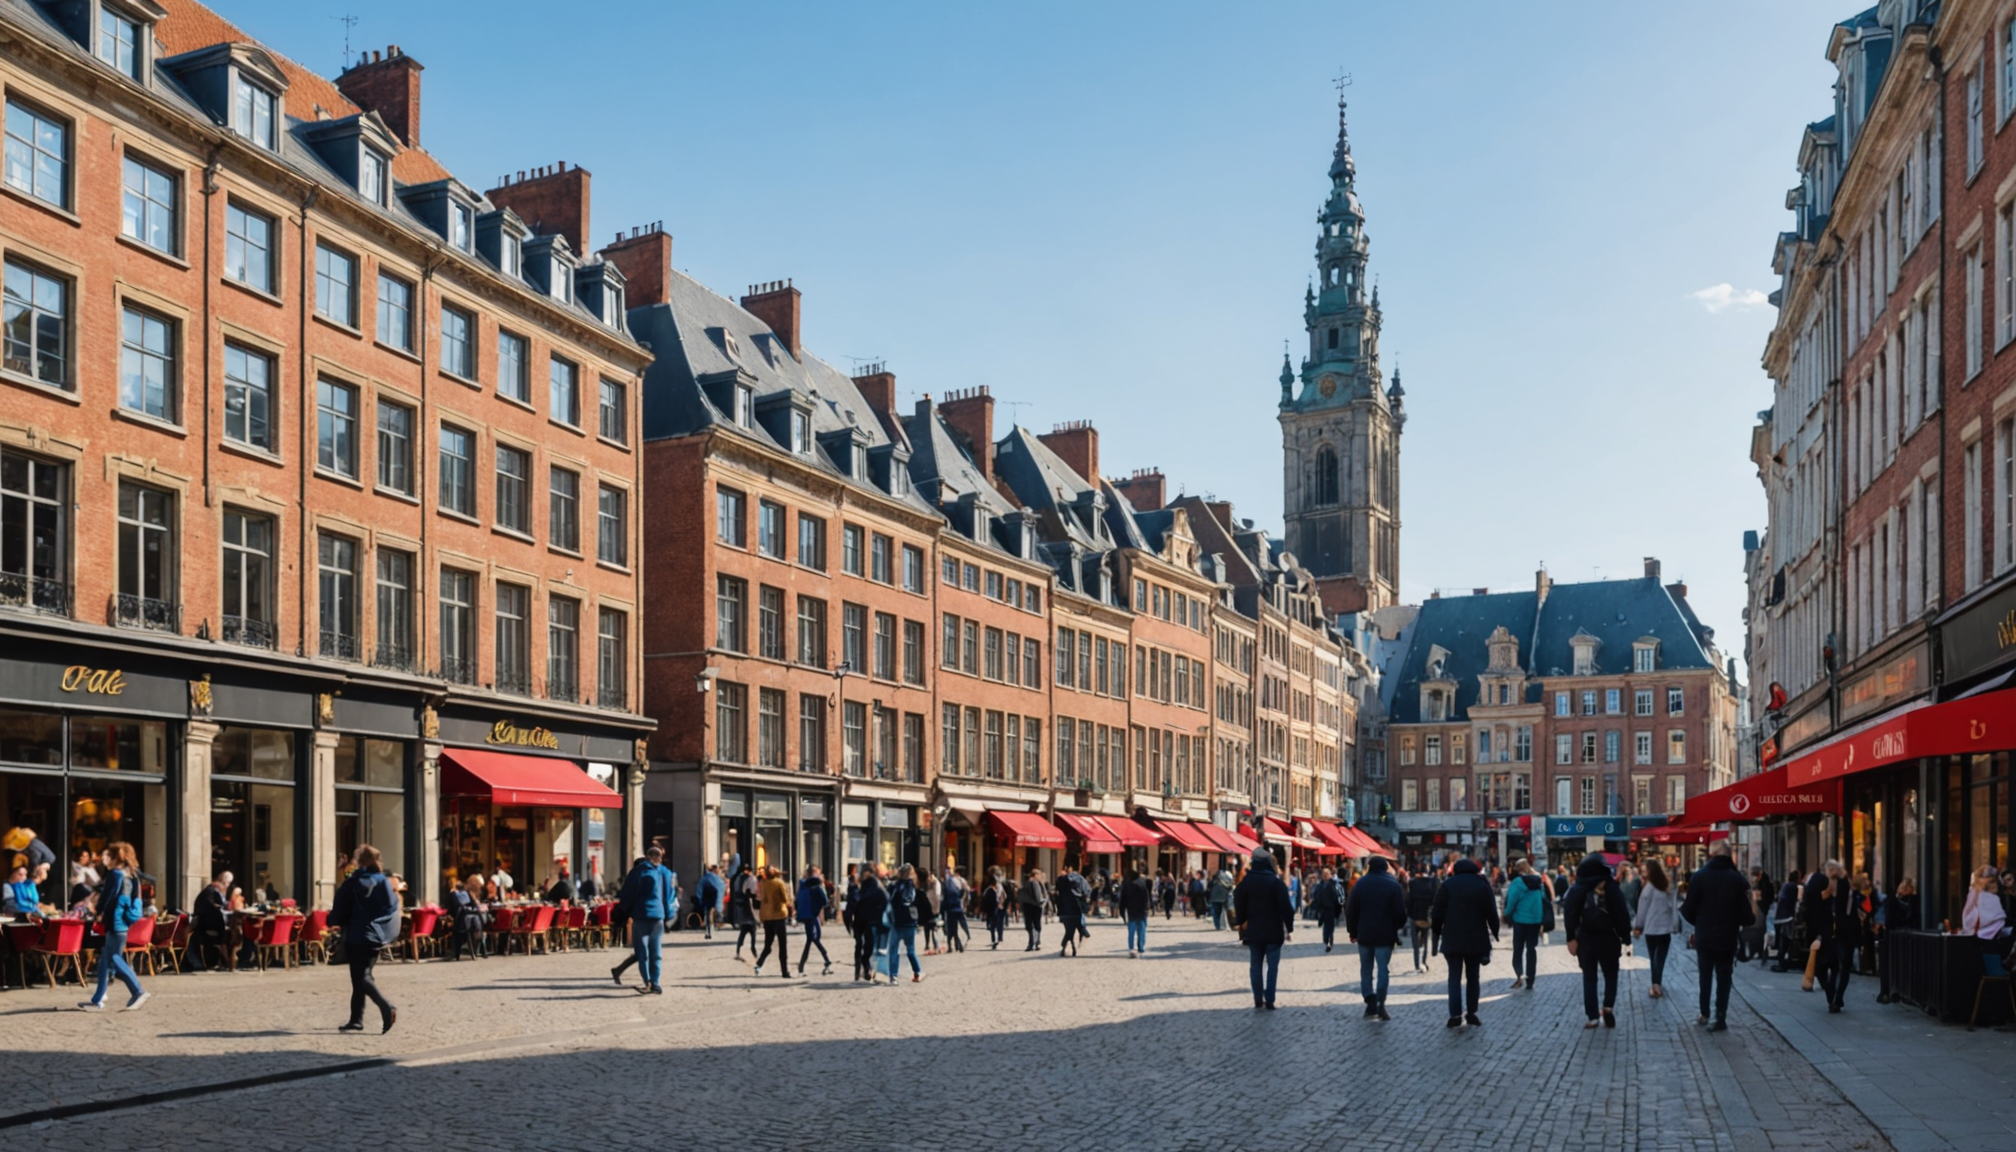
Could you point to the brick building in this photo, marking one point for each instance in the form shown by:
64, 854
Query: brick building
296, 436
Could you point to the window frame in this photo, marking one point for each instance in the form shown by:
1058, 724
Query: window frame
395, 312
458, 354
268, 248
455, 489
328, 257
149, 207
167, 357
612, 546
32, 144
329, 424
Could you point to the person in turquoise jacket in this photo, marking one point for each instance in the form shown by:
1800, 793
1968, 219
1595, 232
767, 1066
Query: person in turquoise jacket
1529, 908
648, 898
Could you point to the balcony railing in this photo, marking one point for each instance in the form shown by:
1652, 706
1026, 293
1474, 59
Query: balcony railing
249, 632
612, 696
339, 645
151, 615
563, 688
515, 683
34, 593
457, 671
393, 657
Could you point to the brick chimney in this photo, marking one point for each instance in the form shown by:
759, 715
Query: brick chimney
644, 256
550, 199
1651, 567
969, 412
878, 387
1076, 442
1146, 489
776, 304
387, 83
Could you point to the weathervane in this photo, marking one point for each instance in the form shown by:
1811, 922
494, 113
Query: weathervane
1342, 81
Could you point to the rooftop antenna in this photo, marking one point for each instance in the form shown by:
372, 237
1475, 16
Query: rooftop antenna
348, 23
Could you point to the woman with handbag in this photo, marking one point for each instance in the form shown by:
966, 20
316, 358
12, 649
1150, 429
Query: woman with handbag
118, 906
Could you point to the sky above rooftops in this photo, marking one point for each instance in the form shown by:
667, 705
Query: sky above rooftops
1106, 212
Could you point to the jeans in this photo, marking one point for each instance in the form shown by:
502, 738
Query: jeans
812, 940
1032, 922
1137, 935
867, 946
1837, 963
1329, 924
773, 933
1218, 915
1266, 966
1714, 965
112, 962
1656, 948
362, 986
646, 938
997, 925
1370, 958
956, 932
1526, 950
904, 938
1423, 944
745, 932
1608, 967
1462, 970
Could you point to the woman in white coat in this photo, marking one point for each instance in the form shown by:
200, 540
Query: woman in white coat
1658, 916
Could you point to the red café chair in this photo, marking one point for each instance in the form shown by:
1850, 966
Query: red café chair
61, 940
503, 923
570, 925
534, 925
272, 938
420, 931
314, 938
170, 940
599, 925
140, 942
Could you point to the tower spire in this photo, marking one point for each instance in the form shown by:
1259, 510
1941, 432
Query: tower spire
1341, 164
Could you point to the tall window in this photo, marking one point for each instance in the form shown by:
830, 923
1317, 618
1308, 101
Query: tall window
612, 417
731, 704
770, 528
147, 205
395, 610
948, 726
850, 549
336, 588
729, 526
371, 176
514, 489
458, 626
147, 365
1971, 321
812, 541
147, 559
336, 285
563, 392
731, 613
252, 113
854, 637
514, 367
853, 738
395, 312
881, 560
612, 538
34, 500
514, 638
1641, 749
38, 154
913, 651
811, 733
611, 664
1676, 701
1973, 122
248, 397
37, 321
1676, 746
563, 515
248, 579
563, 647
395, 447
248, 247
913, 569
885, 646
119, 42
458, 342
770, 622
811, 632
458, 470
770, 727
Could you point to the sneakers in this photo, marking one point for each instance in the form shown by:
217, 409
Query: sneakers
1719, 1026
1471, 1019
134, 1004
1457, 1022
759, 969
352, 1026
90, 1006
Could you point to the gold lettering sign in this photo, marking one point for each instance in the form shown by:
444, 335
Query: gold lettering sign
505, 732
2005, 630
96, 681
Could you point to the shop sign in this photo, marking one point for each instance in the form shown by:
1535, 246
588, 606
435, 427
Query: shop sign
94, 681
1807, 726
1981, 637
505, 732
1894, 681
1608, 827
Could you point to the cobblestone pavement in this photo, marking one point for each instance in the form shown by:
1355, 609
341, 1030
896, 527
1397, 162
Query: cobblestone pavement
994, 1049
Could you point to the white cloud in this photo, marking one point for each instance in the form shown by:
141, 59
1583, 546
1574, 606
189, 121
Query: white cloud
1723, 297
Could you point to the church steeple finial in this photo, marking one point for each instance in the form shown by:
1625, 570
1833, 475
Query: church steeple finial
1341, 164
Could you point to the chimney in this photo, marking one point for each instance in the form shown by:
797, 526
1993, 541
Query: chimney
388, 84
1542, 584
1678, 588
551, 199
969, 412
1480, 591
776, 304
1076, 442
1146, 489
644, 256
1222, 511
878, 388
1651, 567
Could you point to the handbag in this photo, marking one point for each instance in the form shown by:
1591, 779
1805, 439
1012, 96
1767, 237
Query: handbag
1812, 962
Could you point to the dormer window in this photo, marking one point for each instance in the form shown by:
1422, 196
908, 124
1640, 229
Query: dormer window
509, 256
801, 432
461, 226
562, 288
612, 307
1645, 656
119, 42
252, 112
371, 177
899, 478
744, 400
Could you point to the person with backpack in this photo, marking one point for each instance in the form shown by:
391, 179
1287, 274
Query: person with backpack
1327, 899
1529, 908
742, 910
811, 908
1598, 923
1218, 895
1718, 905
871, 918
1421, 891
1465, 922
1374, 913
1030, 901
953, 910
619, 923
646, 899
903, 914
1657, 917
366, 909
119, 906
994, 901
773, 911
1072, 898
707, 893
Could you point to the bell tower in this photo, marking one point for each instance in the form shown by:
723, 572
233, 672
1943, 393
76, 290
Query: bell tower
1340, 423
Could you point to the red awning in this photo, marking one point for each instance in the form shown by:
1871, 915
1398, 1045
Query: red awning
1129, 833
1334, 841
1026, 829
1279, 830
1090, 830
514, 778
1220, 837
1974, 724
1185, 834
1760, 797
1367, 846
1246, 844
1679, 834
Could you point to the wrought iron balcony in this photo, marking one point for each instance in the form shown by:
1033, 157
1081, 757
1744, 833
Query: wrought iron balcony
515, 683
612, 696
394, 657
151, 615
249, 632
562, 689
458, 671
34, 593
339, 645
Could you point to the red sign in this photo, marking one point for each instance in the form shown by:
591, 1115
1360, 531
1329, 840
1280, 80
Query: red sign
1760, 797
1978, 724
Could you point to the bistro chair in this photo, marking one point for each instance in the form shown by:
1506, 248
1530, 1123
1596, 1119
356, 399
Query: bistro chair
171, 936
21, 939
503, 922
272, 938
420, 931
61, 942
598, 930
140, 942
314, 941
534, 924
571, 929
1992, 972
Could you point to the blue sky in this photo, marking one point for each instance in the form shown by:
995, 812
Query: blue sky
1106, 212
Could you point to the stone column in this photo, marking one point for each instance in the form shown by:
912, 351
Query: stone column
321, 797
633, 813
193, 871
427, 884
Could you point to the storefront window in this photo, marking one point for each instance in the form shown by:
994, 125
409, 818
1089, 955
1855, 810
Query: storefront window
82, 782
252, 814
773, 824
894, 837
371, 798
855, 833
112, 745
34, 738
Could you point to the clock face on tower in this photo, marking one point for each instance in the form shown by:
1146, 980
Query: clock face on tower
1327, 386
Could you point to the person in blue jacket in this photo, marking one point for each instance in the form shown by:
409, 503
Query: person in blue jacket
647, 899
1529, 908
903, 915
707, 895
811, 905
367, 910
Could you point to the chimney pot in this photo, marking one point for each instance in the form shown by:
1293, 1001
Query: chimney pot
388, 84
551, 201
969, 413
1076, 442
777, 304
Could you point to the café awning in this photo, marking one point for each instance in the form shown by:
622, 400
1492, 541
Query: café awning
1760, 797
515, 778
1679, 834
1983, 723
1220, 837
1090, 830
1279, 830
1129, 833
1026, 829
1335, 843
1186, 834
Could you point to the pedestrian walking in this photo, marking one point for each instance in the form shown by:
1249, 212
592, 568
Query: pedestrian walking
903, 913
773, 911
1072, 898
366, 908
953, 889
1529, 909
994, 901
1718, 906
1629, 884
1899, 914
1655, 921
1464, 921
1030, 901
1165, 892
1420, 906
929, 896
742, 910
871, 920
1833, 923
707, 893
645, 900
1374, 914
1136, 898
810, 908
1264, 913
1598, 923
117, 908
1328, 901
1785, 920
1219, 895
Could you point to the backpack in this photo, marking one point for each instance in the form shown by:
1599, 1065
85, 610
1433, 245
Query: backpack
128, 909
1595, 919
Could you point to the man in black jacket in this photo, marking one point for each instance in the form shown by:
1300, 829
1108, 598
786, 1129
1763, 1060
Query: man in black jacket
1420, 903
1718, 905
1328, 902
1465, 923
1373, 917
1265, 916
1136, 897
1598, 925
